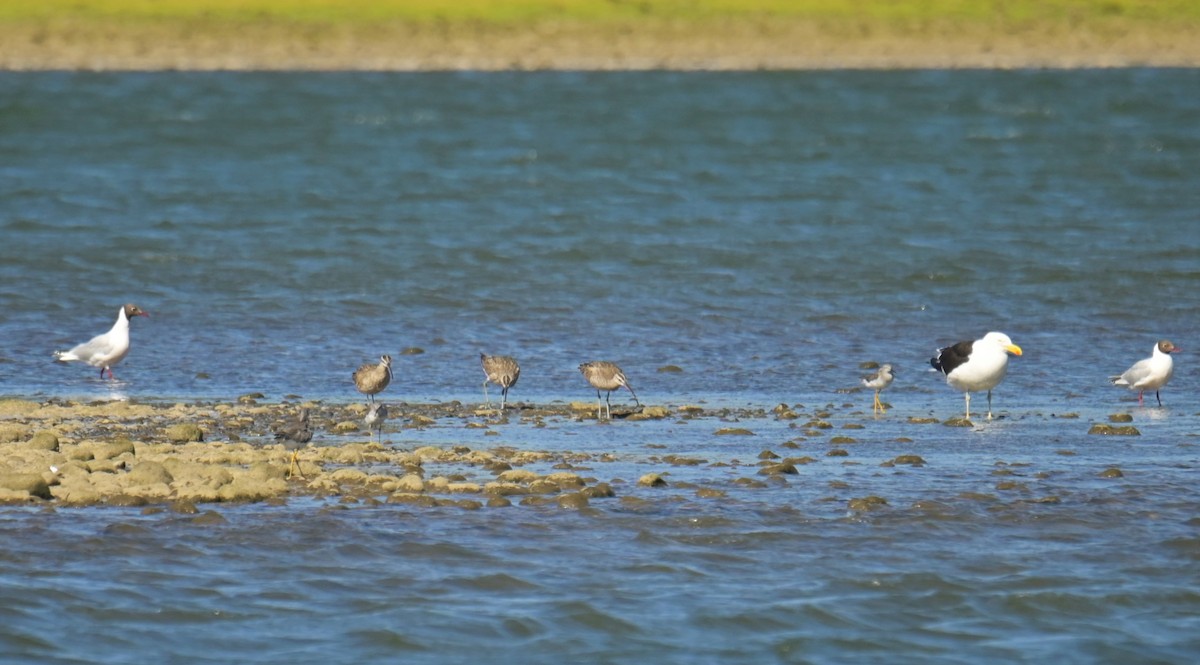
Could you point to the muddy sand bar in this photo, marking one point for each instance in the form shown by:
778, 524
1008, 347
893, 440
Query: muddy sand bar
743, 44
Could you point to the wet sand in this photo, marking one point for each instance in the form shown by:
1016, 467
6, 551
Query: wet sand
180, 456
740, 45
123, 454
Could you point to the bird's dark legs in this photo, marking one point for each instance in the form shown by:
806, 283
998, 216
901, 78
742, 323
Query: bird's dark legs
1157, 398
608, 403
504, 398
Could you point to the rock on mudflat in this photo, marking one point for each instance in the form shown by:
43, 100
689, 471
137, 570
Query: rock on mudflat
148, 473
44, 441
184, 433
10, 432
573, 501
652, 480
867, 503
1110, 430
650, 413
599, 491
32, 483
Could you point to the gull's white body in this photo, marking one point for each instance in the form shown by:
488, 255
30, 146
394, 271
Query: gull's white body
976, 366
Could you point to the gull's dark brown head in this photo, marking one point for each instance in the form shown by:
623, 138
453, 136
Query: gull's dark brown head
132, 310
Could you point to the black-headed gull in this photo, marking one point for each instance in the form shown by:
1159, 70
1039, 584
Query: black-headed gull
974, 366
1150, 373
880, 380
371, 379
105, 350
607, 376
502, 371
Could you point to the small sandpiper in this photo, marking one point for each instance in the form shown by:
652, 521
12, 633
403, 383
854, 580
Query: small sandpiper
376, 414
879, 381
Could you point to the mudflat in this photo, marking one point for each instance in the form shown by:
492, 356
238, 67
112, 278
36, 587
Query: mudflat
735, 43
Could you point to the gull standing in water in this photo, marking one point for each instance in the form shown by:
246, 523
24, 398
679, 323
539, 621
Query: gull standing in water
371, 379
974, 366
606, 376
502, 371
105, 350
879, 381
1150, 373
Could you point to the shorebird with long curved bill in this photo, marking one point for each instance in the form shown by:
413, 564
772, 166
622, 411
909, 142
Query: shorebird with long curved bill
105, 350
975, 366
607, 376
295, 435
376, 414
1150, 373
879, 381
372, 379
502, 371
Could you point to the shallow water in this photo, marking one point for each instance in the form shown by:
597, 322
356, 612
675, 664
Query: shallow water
766, 233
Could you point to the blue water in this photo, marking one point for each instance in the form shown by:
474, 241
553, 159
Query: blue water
764, 232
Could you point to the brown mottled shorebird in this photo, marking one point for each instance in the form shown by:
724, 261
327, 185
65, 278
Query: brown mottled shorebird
376, 414
295, 435
371, 379
879, 381
502, 371
606, 376
105, 350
